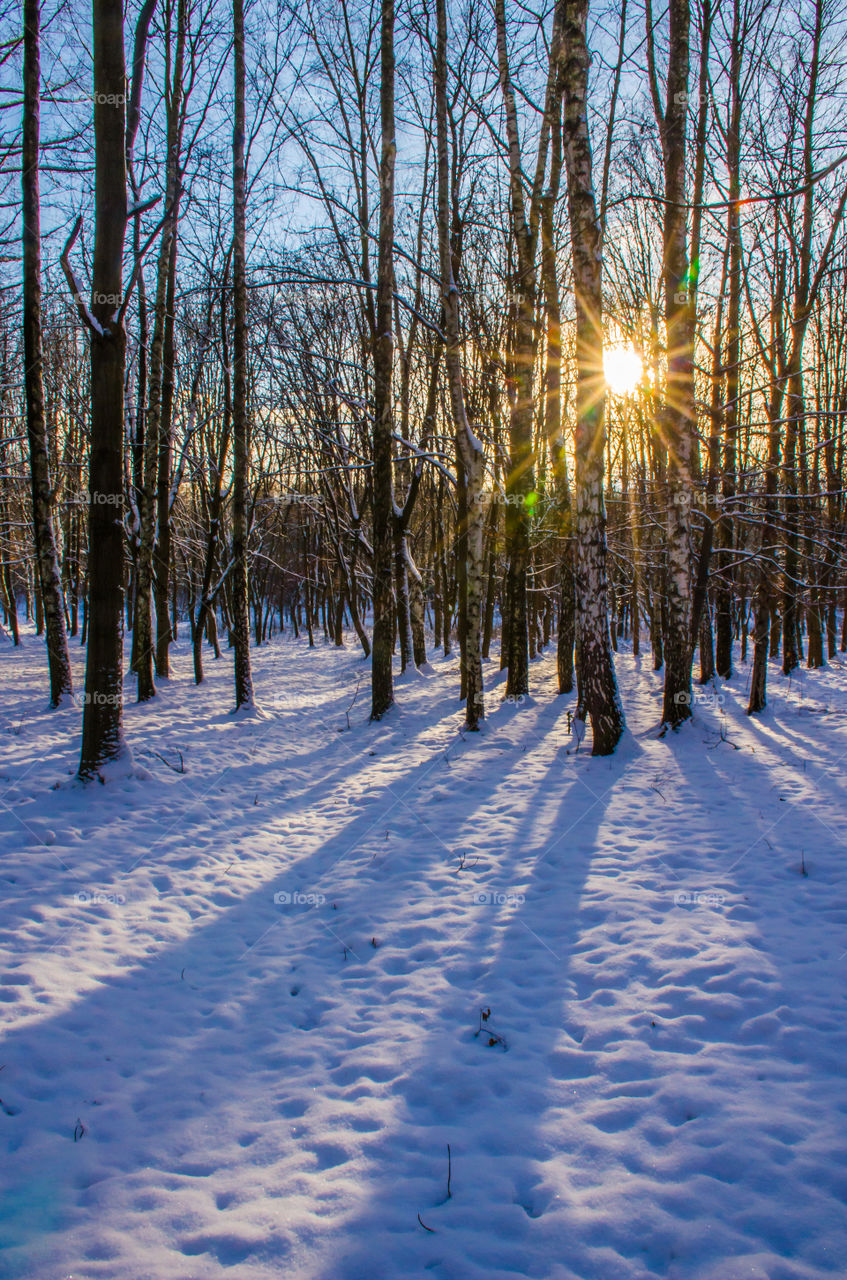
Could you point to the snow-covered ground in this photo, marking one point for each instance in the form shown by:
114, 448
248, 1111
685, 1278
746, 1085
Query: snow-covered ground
242, 1003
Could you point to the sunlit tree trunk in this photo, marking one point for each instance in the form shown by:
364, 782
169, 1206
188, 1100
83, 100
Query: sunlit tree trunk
597, 689
678, 415
553, 420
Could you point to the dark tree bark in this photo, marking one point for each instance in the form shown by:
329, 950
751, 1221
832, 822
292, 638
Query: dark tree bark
162, 550
102, 729
469, 454
382, 685
723, 610
162, 553
520, 480
240, 421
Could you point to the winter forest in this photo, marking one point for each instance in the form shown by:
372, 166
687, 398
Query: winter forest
423, 639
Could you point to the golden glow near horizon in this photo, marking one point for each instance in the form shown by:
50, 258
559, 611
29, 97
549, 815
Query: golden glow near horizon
623, 369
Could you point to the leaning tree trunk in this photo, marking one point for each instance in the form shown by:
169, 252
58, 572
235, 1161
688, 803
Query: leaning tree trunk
240, 421
102, 729
47, 559
597, 686
382, 687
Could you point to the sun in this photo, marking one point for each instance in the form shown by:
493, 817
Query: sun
623, 369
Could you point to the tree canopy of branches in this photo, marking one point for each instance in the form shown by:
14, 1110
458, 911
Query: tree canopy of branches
420, 324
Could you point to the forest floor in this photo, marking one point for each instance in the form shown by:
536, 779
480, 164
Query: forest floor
242, 1003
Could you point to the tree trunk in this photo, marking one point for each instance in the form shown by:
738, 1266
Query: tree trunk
240, 420
382, 684
162, 551
723, 611
47, 559
597, 687
470, 457
102, 728
678, 415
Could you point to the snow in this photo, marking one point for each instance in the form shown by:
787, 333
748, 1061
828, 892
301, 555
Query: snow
242, 1003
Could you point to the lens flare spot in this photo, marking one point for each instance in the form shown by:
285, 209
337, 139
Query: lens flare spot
623, 369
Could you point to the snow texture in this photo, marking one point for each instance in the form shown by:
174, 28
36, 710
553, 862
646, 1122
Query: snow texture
241, 1002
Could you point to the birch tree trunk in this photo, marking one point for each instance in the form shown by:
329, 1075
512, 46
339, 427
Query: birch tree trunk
46, 555
553, 418
597, 686
678, 415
